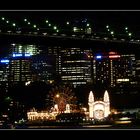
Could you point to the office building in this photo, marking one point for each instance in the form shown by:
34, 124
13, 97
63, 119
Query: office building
20, 62
4, 74
115, 70
76, 66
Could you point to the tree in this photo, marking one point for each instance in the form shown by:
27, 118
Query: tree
35, 95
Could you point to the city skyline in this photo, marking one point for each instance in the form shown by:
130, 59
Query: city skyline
76, 66
46, 55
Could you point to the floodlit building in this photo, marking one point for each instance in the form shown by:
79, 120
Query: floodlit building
33, 114
99, 109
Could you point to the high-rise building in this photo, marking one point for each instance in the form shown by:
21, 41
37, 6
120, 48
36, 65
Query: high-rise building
76, 66
20, 69
115, 70
72, 65
20, 62
55, 53
48, 63
138, 70
101, 69
4, 73
43, 68
126, 81
26, 49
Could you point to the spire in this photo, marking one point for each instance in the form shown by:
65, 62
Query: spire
90, 103
106, 96
91, 97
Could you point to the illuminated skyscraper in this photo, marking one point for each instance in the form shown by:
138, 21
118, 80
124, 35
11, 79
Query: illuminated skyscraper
43, 68
71, 65
114, 69
138, 70
126, 74
55, 53
20, 62
76, 66
27, 49
4, 73
20, 69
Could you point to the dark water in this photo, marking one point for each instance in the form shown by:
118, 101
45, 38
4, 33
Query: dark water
91, 127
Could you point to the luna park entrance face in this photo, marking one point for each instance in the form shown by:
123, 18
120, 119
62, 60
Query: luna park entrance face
98, 111
99, 114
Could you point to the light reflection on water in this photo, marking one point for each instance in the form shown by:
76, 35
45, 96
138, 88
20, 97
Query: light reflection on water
69, 127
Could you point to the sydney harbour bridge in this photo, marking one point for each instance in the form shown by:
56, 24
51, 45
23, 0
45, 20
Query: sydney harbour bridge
76, 40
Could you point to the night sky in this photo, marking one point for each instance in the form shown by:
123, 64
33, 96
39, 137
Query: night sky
130, 17
103, 15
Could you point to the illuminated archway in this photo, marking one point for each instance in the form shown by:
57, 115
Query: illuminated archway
99, 109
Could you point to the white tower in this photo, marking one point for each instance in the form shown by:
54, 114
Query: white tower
67, 108
90, 103
107, 104
56, 108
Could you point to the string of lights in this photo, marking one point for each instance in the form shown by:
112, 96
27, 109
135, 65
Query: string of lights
76, 27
